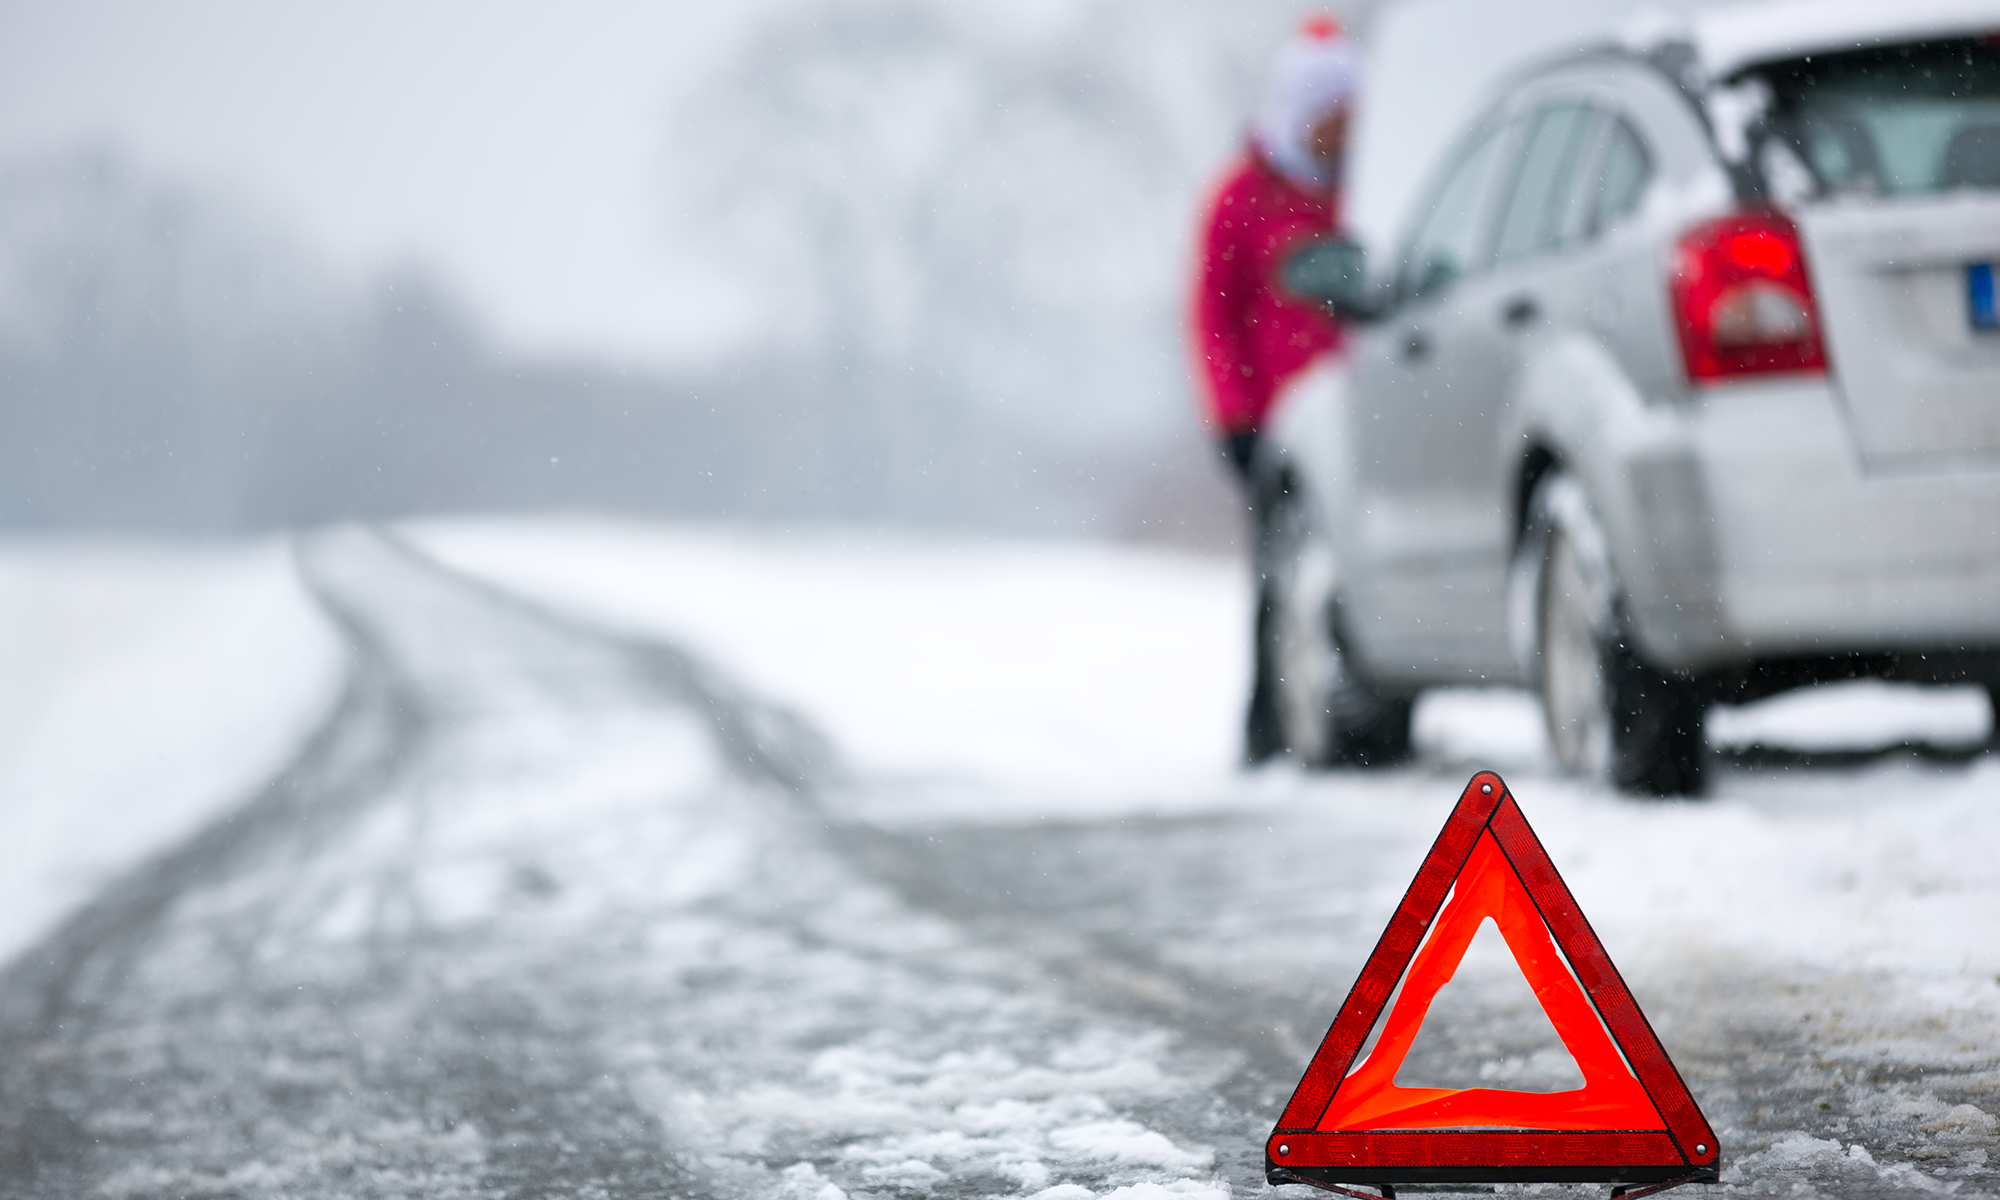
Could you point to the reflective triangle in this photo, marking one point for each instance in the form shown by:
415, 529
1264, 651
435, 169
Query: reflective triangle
1632, 1122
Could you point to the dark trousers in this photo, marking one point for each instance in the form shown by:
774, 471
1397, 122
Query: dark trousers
1263, 737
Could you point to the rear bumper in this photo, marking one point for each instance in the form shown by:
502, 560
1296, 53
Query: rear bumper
1764, 537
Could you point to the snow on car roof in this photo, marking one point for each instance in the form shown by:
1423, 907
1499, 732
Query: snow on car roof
1729, 39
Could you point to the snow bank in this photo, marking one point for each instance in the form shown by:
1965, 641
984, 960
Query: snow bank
143, 689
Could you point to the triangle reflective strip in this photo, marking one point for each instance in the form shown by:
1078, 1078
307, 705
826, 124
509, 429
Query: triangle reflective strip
1611, 1097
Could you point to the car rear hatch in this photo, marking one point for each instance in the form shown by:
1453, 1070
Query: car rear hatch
1889, 158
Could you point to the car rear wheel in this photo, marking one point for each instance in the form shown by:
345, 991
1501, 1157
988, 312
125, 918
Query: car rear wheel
1325, 711
1611, 715
1575, 692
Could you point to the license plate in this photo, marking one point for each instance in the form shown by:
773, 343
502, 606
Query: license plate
1979, 296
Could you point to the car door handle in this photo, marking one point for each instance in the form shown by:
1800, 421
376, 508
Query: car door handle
1417, 346
1519, 311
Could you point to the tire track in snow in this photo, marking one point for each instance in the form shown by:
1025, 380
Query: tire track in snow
74, 1029
540, 909
545, 910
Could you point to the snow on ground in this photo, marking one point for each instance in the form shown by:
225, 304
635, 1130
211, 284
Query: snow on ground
548, 913
144, 688
1042, 740
1865, 713
1817, 943
1056, 664
1021, 682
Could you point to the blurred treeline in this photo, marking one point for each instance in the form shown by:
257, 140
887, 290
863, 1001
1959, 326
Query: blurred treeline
968, 229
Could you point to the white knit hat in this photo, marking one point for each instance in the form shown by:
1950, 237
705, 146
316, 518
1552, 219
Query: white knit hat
1318, 71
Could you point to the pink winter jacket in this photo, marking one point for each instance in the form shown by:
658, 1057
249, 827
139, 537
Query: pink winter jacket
1246, 333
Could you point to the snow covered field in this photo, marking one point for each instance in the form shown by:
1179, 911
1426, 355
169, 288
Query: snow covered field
144, 689
907, 867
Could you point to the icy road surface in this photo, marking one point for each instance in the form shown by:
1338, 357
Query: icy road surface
678, 895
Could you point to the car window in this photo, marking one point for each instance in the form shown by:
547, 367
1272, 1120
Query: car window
1448, 237
1619, 180
1893, 120
1544, 181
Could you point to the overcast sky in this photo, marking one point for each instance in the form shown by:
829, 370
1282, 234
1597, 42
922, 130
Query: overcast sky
515, 149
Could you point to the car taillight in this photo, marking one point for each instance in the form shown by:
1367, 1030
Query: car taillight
1742, 301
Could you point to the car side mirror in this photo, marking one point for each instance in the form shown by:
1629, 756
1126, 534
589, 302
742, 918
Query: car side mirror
1335, 273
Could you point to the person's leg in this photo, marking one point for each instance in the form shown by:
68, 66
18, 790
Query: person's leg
1239, 450
1263, 736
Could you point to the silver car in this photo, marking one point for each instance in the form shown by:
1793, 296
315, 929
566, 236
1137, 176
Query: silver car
1685, 390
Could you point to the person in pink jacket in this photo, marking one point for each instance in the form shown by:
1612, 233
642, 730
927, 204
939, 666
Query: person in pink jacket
1247, 333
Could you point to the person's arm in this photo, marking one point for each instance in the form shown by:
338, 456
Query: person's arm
1223, 288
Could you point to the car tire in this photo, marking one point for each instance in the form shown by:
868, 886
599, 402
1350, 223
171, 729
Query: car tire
1325, 712
1611, 715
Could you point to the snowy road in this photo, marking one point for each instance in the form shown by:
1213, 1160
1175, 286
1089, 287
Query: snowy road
545, 909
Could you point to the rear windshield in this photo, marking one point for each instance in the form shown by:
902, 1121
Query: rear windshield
1893, 120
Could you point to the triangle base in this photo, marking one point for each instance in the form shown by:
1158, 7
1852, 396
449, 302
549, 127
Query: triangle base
1330, 1179
1625, 1157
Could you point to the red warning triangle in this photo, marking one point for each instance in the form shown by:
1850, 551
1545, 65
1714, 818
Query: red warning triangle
1631, 1123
